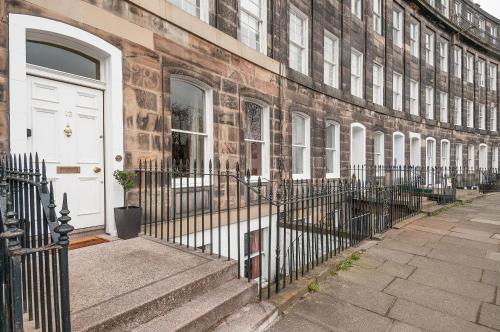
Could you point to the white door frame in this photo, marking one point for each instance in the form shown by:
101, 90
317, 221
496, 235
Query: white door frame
21, 26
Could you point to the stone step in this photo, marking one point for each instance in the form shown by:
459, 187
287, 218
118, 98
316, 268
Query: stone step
132, 309
252, 317
205, 311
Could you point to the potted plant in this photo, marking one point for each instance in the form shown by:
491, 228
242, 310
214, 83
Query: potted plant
127, 218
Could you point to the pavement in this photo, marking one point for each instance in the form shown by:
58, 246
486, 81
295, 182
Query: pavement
438, 273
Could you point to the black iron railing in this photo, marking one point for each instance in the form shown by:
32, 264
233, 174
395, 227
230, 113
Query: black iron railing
275, 230
33, 249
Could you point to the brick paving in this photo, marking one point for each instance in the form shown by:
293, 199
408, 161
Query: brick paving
439, 273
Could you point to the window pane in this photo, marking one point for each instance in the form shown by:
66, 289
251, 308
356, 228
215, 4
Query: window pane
330, 136
187, 103
249, 30
297, 160
253, 128
62, 59
330, 162
254, 158
298, 126
188, 147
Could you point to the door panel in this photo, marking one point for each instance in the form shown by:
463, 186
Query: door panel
67, 131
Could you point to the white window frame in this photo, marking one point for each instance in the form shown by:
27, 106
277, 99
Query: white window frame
415, 151
357, 8
203, 8
481, 66
470, 67
335, 150
395, 152
430, 156
379, 151
332, 62
482, 116
261, 18
377, 16
482, 26
458, 61
378, 84
443, 106
446, 8
459, 163
265, 140
443, 56
445, 153
470, 113
493, 68
494, 158
397, 91
471, 157
414, 97
458, 10
208, 142
306, 166
303, 47
458, 111
429, 102
397, 27
429, 48
469, 16
360, 145
357, 78
415, 39
493, 119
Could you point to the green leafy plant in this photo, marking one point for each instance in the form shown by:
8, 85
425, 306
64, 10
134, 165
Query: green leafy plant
126, 180
344, 265
313, 287
356, 256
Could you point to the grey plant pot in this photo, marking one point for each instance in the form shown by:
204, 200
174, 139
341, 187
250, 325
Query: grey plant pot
128, 221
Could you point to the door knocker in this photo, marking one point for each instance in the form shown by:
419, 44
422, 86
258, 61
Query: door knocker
67, 131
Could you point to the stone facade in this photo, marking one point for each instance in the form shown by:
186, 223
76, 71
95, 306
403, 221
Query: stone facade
233, 78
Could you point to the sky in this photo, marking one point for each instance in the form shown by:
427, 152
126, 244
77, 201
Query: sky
491, 6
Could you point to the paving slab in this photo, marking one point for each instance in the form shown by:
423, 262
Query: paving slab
402, 271
490, 316
491, 278
432, 230
416, 237
475, 237
436, 223
358, 295
370, 261
295, 323
455, 284
438, 266
340, 315
469, 243
463, 259
431, 320
393, 255
471, 251
405, 247
435, 299
403, 327
366, 277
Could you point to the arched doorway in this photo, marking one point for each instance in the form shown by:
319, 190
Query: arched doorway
65, 102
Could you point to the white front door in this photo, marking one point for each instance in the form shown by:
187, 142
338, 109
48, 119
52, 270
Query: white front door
66, 124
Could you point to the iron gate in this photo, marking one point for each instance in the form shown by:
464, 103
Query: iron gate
33, 249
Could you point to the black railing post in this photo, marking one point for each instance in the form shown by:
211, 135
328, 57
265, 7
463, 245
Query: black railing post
64, 229
12, 235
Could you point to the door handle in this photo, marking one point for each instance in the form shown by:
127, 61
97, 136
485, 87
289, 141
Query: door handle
97, 169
